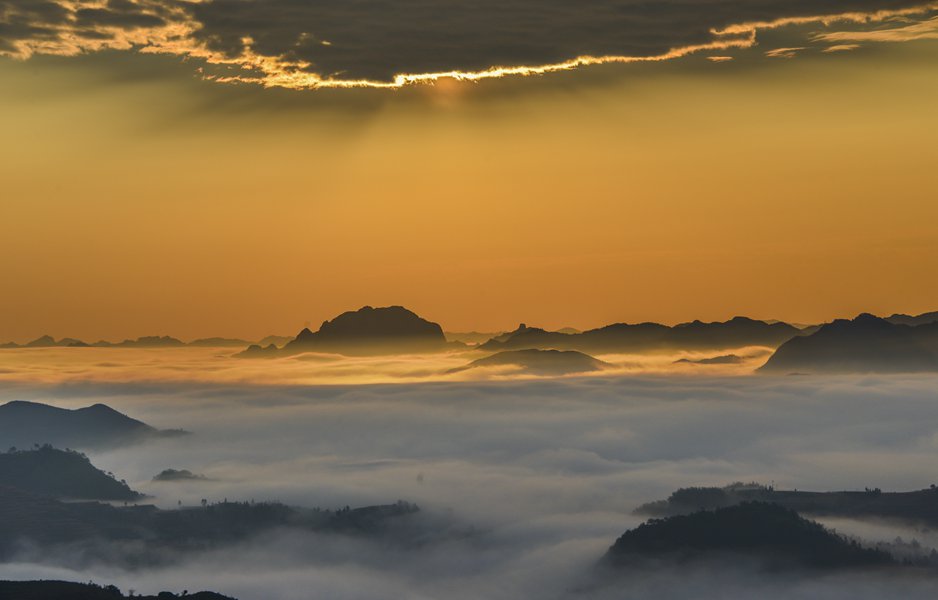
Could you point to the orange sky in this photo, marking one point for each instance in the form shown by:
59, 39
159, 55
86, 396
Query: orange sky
800, 189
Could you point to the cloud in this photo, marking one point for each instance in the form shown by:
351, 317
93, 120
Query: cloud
392, 43
545, 474
783, 52
195, 364
924, 30
841, 48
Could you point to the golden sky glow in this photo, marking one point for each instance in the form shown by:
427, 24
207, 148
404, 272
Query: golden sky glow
140, 199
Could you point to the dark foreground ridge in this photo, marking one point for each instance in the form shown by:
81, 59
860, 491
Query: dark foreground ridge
649, 337
24, 424
67, 590
866, 344
914, 507
60, 474
366, 331
539, 362
766, 533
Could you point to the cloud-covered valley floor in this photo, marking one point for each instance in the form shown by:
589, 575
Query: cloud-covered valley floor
524, 484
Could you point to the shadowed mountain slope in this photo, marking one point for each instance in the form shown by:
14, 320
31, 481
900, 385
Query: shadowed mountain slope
24, 424
866, 344
60, 473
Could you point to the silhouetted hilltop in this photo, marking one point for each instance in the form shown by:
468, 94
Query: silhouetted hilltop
367, 331
24, 424
178, 475
67, 590
916, 507
769, 533
155, 536
61, 474
643, 337
539, 362
866, 344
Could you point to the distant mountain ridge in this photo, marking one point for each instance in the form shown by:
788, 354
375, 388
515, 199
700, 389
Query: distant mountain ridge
866, 344
395, 329
643, 337
148, 341
914, 321
24, 424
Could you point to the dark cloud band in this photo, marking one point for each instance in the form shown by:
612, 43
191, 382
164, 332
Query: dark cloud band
311, 43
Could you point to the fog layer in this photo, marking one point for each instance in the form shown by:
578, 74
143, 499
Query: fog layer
523, 484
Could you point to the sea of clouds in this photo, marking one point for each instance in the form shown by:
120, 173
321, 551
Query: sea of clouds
523, 484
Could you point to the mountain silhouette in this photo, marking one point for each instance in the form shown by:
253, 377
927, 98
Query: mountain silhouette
866, 344
61, 474
539, 362
768, 533
24, 424
366, 331
645, 337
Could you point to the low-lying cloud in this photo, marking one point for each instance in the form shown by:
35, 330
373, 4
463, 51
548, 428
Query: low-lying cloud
219, 365
392, 43
543, 473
